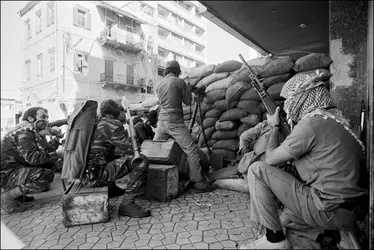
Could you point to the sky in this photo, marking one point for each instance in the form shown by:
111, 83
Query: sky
221, 46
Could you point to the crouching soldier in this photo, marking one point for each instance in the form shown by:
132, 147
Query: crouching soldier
27, 159
102, 166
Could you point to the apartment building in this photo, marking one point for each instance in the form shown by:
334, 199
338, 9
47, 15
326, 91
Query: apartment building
181, 30
79, 50
10, 114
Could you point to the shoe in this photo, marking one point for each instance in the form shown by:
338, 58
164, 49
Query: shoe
9, 201
133, 210
115, 191
202, 187
263, 243
25, 198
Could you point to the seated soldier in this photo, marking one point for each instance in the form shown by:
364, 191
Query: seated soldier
144, 129
102, 166
327, 155
27, 158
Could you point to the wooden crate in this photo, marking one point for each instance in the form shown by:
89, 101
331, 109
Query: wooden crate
162, 152
162, 182
88, 206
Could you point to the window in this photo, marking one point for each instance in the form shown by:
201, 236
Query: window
130, 79
188, 26
197, 13
82, 17
39, 64
178, 58
150, 87
189, 63
50, 13
150, 45
28, 69
27, 29
161, 53
38, 21
51, 59
81, 62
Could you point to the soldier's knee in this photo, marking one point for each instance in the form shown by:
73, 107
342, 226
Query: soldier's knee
256, 169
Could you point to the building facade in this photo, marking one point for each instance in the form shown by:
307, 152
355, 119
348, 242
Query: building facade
9, 114
74, 51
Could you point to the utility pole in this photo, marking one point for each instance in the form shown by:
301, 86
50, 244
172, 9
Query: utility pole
89, 67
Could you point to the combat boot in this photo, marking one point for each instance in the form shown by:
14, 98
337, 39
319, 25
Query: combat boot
9, 200
128, 207
202, 187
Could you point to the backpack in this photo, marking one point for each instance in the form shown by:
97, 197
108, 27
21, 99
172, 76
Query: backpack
81, 125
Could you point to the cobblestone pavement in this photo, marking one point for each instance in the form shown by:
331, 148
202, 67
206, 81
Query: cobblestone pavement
178, 224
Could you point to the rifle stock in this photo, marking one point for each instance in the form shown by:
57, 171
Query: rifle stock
268, 102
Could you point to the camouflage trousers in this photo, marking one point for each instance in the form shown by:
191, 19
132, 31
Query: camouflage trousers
120, 168
30, 180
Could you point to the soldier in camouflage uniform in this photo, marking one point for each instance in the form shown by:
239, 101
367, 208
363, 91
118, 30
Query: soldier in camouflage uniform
103, 168
27, 159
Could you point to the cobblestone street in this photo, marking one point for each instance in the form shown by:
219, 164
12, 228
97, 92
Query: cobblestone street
178, 224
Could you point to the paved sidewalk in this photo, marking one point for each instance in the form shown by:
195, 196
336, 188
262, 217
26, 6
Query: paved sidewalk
178, 224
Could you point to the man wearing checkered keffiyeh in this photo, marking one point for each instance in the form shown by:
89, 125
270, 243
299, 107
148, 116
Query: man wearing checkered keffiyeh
327, 155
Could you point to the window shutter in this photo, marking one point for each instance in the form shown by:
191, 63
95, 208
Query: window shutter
88, 20
75, 16
75, 62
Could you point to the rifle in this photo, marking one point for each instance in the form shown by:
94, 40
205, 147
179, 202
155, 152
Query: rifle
59, 123
268, 102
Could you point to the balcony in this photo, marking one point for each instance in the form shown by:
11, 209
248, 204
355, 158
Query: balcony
127, 41
120, 80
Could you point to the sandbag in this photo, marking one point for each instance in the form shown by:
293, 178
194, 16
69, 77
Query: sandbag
209, 122
234, 92
187, 117
251, 94
215, 95
244, 127
187, 110
222, 105
262, 108
206, 81
277, 66
208, 134
233, 114
275, 90
227, 66
249, 106
239, 185
226, 125
225, 135
316, 74
210, 143
227, 154
220, 84
150, 102
243, 74
202, 71
192, 81
251, 119
232, 144
268, 81
312, 61
213, 113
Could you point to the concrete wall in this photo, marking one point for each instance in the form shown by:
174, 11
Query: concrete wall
348, 50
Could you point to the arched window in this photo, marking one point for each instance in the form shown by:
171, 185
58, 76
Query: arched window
150, 45
150, 87
142, 41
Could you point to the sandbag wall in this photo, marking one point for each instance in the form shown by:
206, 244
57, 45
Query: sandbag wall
231, 105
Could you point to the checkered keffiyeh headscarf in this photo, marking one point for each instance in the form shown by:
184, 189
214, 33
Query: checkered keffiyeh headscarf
307, 97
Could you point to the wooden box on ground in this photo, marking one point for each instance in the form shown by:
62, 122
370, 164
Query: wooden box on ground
162, 152
162, 182
87, 206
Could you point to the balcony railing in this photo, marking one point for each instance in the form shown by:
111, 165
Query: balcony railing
127, 40
120, 79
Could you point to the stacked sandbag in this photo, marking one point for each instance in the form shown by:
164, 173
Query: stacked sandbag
196, 74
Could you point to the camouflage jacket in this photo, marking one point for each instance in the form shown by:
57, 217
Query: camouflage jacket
24, 146
109, 137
